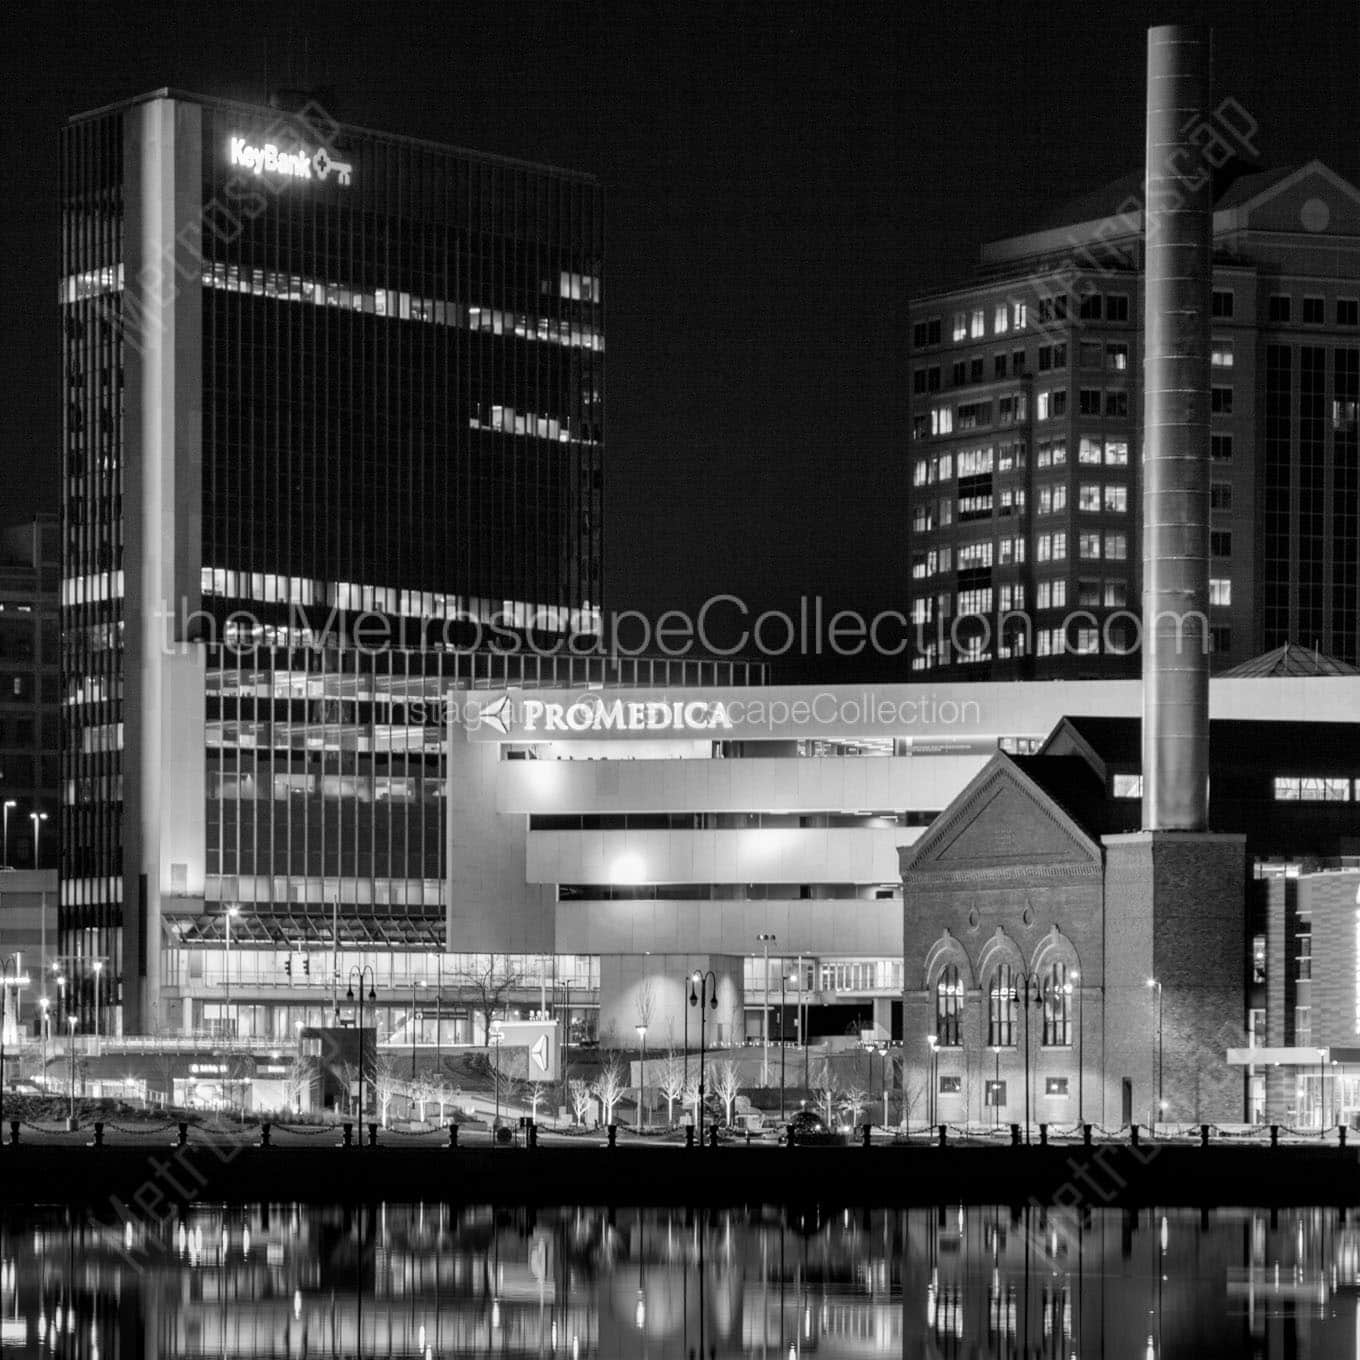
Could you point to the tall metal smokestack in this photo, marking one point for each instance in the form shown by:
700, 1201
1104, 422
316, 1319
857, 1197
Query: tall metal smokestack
1179, 274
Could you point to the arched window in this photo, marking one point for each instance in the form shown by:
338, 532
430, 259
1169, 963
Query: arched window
1001, 1008
949, 1008
1057, 994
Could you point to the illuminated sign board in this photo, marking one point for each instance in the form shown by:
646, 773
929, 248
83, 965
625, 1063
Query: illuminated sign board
538, 1040
298, 163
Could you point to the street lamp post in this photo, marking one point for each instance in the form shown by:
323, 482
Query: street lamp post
71, 1052
6, 982
45, 1028
98, 966
1155, 985
703, 992
932, 1068
231, 911
803, 1024
642, 1078
1073, 988
496, 1038
415, 982
783, 1042
766, 938
360, 973
37, 819
1030, 992
9, 803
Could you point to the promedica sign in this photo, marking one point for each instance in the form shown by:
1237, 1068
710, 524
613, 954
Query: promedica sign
546, 715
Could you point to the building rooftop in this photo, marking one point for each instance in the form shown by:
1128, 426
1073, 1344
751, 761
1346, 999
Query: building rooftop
1292, 660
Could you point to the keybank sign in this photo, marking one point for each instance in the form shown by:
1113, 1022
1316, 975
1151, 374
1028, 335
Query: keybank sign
300, 164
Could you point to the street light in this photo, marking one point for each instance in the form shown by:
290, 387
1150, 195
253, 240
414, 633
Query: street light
98, 966
1157, 986
37, 819
45, 1028
231, 911
415, 982
9, 803
706, 998
932, 1068
496, 1039
783, 1042
766, 938
1030, 992
6, 982
1073, 988
642, 1078
361, 973
71, 1022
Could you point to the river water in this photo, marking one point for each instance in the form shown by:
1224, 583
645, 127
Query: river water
432, 1280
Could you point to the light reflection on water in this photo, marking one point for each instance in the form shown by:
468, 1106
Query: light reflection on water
427, 1281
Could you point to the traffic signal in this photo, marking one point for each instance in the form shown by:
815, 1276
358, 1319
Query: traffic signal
288, 965
307, 964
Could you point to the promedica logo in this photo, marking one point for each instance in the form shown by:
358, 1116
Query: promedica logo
598, 714
300, 164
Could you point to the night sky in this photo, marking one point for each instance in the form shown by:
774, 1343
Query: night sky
780, 178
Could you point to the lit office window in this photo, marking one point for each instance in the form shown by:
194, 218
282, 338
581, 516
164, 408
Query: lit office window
1001, 319
1116, 499
949, 1008
1220, 590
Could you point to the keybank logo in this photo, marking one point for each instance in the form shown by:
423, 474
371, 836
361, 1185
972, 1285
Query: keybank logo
300, 164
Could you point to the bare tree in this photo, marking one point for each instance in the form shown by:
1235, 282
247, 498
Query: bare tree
579, 1091
385, 1083
726, 1084
610, 1085
855, 1100
644, 1001
672, 1081
824, 1090
485, 983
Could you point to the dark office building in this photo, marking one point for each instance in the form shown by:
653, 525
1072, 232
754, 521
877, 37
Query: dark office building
334, 413
30, 672
1026, 398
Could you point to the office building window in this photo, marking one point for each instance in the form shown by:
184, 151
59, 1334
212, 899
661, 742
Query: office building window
1220, 590
1311, 789
1088, 547
1017, 362
1088, 401
1220, 447
1278, 308
1220, 495
1221, 354
975, 370
1221, 401
1116, 547
1220, 638
1116, 404
958, 373
1116, 499
1090, 355
1220, 542
1222, 303
1314, 311
978, 324
1001, 1009
1001, 319
949, 1008
1088, 497
999, 366
1051, 453
1116, 452
1089, 309
1057, 994
1348, 311
1052, 356
1052, 498
1116, 594
1117, 358
1128, 786
1055, 1086
1116, 307
1089, 450
1019, 316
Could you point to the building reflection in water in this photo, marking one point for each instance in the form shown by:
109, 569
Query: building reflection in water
427, 1281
